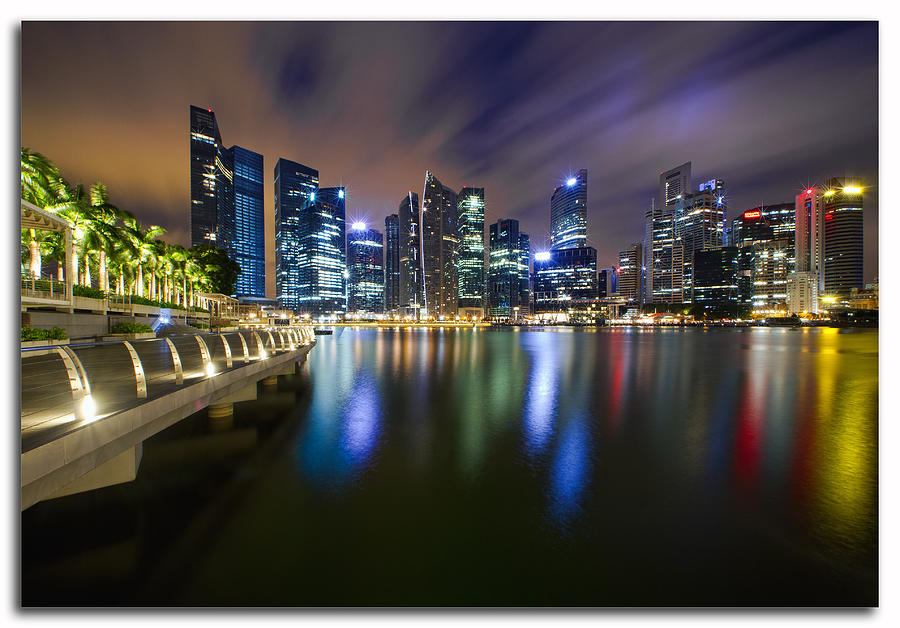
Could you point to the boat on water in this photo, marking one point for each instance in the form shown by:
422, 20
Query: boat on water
323, 331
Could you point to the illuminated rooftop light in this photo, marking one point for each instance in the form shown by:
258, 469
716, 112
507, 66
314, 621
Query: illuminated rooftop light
809, 191
359, 226
542, 256
852, 190
829, 193
340, 193
571, 181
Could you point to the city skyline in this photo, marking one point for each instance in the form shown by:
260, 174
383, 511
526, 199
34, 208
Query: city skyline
621, 187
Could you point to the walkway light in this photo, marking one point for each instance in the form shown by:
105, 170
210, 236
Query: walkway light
88, 409
210, 369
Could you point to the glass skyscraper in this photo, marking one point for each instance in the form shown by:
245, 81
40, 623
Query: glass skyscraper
205, 144
842, 209
510, 252
568, 213
565, 282
412, 297
716, 276
365, 265
699, 224
295, 192
392, 264
470, 203
241, 229
440, 249
227, 201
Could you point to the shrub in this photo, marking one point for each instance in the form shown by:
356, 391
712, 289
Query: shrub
87, 291
57, 333
30, 333
131, 328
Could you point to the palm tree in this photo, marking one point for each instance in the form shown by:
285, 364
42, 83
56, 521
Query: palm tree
144, 248
43, 185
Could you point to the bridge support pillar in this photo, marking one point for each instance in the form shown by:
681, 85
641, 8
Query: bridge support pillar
123, 468
271, 381
220, 410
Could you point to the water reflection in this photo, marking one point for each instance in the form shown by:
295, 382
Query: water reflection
587, 428
543, 388
569, 472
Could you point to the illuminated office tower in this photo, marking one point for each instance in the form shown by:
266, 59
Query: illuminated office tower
809, 234
205, 144
764, 263
842, 212
440, 249
781, 218
470, 203
365, 266
295, 191
241, 218
664, 256
606, 283
674, 184
324, 281
629, 279
227, 201
699, 224
412, 296
508, 294
568, 213
803, 293
716, 276
564, 284
392, 264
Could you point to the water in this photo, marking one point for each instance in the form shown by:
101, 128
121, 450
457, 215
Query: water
516, 467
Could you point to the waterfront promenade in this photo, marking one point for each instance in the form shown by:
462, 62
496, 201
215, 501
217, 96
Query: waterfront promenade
86, 409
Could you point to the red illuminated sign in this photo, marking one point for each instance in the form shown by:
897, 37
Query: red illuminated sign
829, 216
753, 213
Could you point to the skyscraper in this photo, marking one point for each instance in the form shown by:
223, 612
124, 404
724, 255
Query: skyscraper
508, 294
392, 265
440, 248
809, 235
241, 218
227, 201
470, 203
664, 256
564, 284
309, 242
715, 276
764, 262
365, 266
568, 213
205, 144
323, 283
674, 183
412, 296
699, 224
842, 209
629, 281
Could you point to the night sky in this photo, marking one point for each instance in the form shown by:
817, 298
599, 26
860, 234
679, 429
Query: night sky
511, 106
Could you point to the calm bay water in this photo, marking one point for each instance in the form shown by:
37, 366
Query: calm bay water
513, 467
